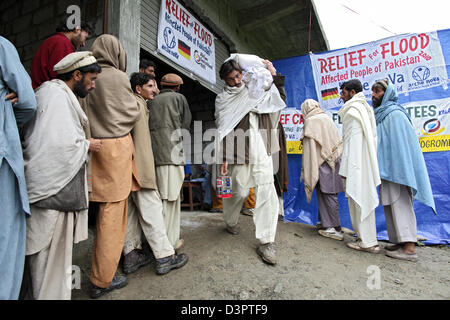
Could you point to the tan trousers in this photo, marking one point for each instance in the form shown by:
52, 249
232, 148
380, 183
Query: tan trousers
172, 219
108, 242
145, 215
51, 268
366, 229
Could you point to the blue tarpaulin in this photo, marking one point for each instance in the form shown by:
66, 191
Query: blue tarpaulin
300, 86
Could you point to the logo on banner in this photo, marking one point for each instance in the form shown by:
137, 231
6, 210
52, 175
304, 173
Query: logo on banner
432, 127
421, 73
197, 57
184, 50
169, 38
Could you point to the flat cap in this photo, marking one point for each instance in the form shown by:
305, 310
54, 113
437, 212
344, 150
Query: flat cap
171, 80
74, 61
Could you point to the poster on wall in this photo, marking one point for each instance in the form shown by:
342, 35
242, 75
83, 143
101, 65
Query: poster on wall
185, 41
411, 62
431, 120
292, 121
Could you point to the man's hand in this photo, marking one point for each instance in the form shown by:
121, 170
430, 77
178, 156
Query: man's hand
224, 169
270, 67
12, 97
96, 145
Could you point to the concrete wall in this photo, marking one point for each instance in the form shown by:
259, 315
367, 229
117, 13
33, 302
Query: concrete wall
27, 23
219, 13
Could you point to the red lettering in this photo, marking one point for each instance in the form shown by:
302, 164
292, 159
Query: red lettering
338, 64
424, 40
168, 7
323, 66
296, 119
416, 44
384, 51
352, 58
331, 63
403, 45
361, 55
393, 53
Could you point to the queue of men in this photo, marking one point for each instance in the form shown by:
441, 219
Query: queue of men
90, 134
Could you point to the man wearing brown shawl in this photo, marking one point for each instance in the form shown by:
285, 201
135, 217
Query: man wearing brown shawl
113, 112
145, 210
322, 151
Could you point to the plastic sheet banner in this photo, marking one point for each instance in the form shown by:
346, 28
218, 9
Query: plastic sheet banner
184, 40
428, 106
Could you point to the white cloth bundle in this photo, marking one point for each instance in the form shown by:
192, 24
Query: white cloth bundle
233, 104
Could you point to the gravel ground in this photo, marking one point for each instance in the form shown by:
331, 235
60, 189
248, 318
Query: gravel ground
311, 267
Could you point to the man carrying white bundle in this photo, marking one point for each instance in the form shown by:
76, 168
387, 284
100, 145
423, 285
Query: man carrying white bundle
247, 117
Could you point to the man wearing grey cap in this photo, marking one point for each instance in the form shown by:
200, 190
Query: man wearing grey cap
55, 151
170, 114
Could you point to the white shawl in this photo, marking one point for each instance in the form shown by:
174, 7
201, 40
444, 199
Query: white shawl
55, 146
233, 104
359, 164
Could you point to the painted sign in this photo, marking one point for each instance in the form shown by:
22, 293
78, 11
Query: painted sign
411, 62
184, 40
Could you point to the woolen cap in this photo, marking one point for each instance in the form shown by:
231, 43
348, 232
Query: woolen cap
171, 80
74, 61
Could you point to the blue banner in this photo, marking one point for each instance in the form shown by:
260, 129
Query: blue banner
300, 85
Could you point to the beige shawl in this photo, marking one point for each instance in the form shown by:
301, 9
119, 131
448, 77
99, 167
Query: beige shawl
321, 143
143, 145
111, 108
55, 146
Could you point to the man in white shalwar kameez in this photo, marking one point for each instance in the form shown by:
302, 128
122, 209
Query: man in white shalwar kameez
55, 154
252, 109
359, 165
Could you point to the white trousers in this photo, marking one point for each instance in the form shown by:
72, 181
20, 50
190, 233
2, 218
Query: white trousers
401, 220
145, 215
51, 268
265, 214
366, 229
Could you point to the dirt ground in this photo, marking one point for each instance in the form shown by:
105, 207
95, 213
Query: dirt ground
311, 267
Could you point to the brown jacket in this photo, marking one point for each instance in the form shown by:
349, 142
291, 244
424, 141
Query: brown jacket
143, 145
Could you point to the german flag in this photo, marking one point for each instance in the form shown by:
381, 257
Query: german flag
184, 50
330, 94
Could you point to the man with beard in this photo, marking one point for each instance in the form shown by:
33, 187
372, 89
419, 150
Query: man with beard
55, 152
252, 119
359, 165
145, 208
403, 172
55, 48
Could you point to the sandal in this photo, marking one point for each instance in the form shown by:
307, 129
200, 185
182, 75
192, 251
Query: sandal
357, 246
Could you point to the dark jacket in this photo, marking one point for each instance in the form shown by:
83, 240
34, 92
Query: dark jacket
169, 112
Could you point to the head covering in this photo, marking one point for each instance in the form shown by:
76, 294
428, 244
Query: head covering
389, 104
74, 61
400, 155
109, 52
171, 80
112, 108
322, 142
